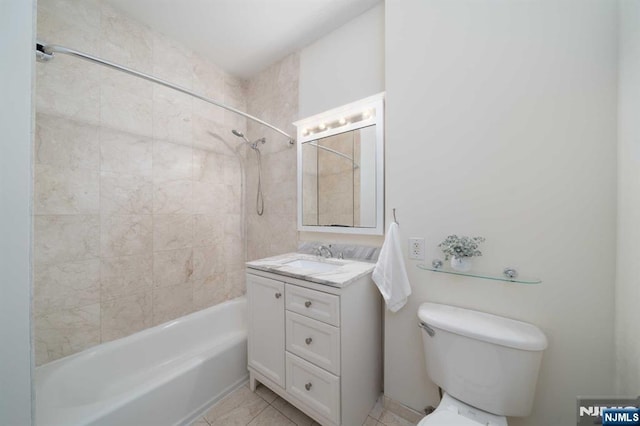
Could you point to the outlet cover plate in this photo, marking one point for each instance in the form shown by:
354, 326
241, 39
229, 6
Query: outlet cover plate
416, 248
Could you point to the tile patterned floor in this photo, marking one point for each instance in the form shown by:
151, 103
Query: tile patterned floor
264, 408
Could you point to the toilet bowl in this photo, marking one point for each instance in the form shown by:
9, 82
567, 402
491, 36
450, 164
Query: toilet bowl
452, 412
486, 365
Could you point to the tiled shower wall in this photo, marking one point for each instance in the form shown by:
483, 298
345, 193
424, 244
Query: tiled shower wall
137, 188
273, 96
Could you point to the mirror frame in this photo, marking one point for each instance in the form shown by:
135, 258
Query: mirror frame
373, 103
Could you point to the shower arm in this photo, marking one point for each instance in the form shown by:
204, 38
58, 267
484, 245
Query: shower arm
45, 52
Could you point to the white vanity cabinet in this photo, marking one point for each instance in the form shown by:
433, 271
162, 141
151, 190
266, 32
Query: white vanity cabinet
317, 346
265, 299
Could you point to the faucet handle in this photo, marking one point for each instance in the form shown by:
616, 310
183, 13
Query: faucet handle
324, 251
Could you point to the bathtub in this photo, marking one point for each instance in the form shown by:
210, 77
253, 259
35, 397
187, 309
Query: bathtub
165, 375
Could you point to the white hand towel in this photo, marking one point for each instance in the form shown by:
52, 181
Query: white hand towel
390, 274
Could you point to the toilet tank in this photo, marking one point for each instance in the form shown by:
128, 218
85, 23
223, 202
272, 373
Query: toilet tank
484, 360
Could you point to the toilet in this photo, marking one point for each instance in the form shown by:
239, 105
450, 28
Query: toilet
486, 365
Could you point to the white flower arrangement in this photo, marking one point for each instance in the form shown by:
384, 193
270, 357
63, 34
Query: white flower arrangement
455, 246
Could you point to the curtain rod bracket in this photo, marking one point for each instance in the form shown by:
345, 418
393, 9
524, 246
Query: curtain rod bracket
41, 53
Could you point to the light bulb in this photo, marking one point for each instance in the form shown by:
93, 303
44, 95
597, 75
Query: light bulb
322, 126
342, 121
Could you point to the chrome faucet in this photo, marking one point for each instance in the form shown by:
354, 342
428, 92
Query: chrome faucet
324, 251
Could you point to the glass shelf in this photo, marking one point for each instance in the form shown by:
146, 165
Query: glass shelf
482, 276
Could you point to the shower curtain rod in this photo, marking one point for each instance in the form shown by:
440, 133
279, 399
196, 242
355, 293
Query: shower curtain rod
45, 52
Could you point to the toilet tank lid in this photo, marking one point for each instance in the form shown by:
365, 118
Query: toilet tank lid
483, 326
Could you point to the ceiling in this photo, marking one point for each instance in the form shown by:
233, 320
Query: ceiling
244, 36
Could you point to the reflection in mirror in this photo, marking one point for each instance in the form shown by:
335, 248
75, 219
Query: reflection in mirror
339, 180
341, 169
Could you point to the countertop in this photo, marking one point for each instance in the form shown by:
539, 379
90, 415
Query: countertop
349, 272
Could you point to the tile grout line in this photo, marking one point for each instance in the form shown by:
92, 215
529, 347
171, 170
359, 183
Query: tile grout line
260, 412
281, 412
270, 404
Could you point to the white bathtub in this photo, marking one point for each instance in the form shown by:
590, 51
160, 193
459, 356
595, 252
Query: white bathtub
165, 375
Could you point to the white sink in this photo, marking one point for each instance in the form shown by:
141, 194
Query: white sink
313, 265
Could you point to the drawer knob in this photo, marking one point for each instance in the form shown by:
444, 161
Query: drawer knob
308, 386
307, 303
278, 295
308, 340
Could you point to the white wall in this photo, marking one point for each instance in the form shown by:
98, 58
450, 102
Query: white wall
501, 122
344, 66
628, 281
367, 172
16, 122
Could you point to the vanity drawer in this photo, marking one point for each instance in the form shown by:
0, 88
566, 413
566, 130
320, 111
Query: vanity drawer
314, 386
314, 341
313, 304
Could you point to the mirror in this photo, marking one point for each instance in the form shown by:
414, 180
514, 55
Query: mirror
340, 169
338, 181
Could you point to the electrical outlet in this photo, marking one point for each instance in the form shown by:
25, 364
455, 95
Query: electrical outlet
416, 248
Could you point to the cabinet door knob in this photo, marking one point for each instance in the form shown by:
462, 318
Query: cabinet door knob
307, 303
278, 295
308, 386
308, 340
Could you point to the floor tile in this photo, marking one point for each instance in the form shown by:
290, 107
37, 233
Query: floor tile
266, 393
264, 408
390, 419
237, 408
271, 417
291, 412
376, 411
371, 422
401, 410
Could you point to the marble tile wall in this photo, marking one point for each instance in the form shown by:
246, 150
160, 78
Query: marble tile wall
137, 188
273, 96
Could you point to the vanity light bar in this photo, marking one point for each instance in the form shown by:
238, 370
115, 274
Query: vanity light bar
343, 121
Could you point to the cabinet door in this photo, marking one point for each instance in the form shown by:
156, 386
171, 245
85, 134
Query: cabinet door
265, 299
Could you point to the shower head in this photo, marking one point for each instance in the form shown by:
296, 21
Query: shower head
240, 135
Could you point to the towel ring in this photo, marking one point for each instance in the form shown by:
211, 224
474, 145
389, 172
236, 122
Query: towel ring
394, 217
